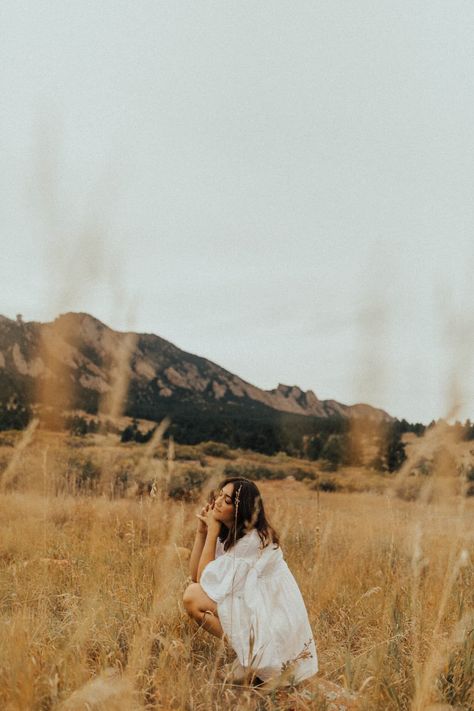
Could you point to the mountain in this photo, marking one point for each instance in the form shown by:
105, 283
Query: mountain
77, 362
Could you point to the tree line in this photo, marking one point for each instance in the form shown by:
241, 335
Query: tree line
335, 440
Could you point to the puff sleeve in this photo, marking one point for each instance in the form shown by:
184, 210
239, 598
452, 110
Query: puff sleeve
223, 576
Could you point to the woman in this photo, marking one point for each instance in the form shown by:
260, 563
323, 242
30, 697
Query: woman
244, 590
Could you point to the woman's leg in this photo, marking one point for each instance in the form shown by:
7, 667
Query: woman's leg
202, 609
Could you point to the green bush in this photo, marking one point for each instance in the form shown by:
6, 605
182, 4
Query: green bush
217, 449
186, 453
314, 447
186, 485
300, 474
255, 473
333, 453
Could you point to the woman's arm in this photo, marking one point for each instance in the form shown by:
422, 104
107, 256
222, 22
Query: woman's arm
209, 551
199, 542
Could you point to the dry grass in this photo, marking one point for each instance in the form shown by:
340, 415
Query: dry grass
91, 587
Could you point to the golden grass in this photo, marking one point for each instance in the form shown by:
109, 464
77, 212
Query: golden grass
91, 587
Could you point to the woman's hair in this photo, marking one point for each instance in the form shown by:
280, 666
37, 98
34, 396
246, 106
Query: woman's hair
249, 514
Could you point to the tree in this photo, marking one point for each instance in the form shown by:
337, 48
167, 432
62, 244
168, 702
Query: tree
333, 452
129, 434
314, 447
14, 415
468, 431
77, 426
394, 451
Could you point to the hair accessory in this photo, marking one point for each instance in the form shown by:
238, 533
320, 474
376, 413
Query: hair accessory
237, 498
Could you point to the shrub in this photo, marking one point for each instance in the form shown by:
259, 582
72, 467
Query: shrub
395, 452
314, 447
217, 449
186, 485
468, 431
327, 485
300, 474
255, 473
77, 426
133, 433
425, 466
83, 474
89, 475
144, 488
333, 453
128, 434
120, 483
410, 489
186, 453
14, 415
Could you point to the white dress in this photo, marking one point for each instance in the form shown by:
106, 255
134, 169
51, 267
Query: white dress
261, 609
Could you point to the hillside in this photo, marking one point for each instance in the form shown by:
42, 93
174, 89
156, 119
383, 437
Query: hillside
78, 363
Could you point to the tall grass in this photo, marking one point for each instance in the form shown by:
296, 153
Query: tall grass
91, 587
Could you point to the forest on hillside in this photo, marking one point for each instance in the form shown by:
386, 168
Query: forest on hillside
336, 440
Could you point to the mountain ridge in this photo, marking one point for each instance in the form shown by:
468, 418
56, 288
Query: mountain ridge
80, 353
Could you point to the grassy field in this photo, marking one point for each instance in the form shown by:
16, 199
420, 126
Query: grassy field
93, 564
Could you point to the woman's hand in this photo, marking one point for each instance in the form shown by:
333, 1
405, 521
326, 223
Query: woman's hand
207, 521
202, 524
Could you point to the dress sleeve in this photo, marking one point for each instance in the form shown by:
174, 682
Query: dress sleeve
223, 576
219, 548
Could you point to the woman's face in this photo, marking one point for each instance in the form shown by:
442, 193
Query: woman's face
224, 510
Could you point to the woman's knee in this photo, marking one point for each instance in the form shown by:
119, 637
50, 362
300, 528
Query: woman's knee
190, 598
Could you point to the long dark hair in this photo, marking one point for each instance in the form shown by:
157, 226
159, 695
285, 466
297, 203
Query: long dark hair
249, 514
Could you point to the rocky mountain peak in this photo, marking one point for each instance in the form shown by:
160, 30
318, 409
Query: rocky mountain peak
79, 354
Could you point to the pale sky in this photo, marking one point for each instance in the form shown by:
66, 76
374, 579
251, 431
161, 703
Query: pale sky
285, 188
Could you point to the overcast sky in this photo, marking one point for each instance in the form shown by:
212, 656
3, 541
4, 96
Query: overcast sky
285, 188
